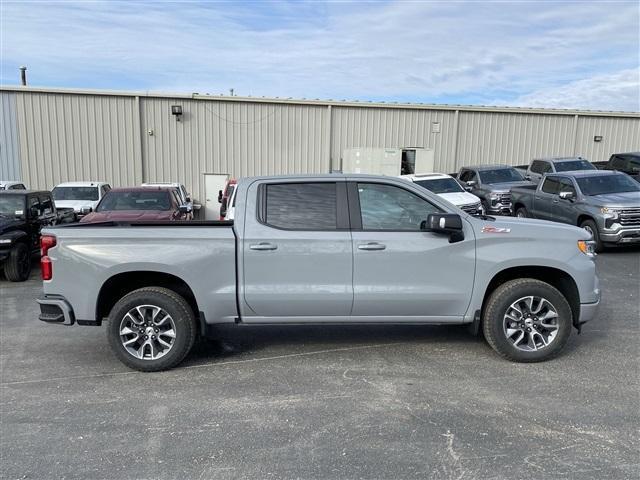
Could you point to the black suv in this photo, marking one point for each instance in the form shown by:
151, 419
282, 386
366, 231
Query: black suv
23, 213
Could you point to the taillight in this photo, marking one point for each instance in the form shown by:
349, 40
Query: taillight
46, 242
46, 267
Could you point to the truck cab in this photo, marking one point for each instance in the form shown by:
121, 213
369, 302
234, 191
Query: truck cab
628, 163
541, 166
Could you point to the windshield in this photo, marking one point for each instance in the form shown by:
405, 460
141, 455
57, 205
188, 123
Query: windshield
440, 185
603, 184
574, 165
135, 201
75, 193
500, 175
11, 205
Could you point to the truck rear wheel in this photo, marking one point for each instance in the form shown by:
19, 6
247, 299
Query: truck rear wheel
17, 267
151, 329
527, 320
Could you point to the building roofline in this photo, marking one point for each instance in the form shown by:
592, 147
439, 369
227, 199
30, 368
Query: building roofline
319, 102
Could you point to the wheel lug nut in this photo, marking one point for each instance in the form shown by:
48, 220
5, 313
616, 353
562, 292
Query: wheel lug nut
528, 329
153, 337
146, 337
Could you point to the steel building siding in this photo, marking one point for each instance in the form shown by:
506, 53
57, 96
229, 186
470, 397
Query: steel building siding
9, 146
83, 135
65, 138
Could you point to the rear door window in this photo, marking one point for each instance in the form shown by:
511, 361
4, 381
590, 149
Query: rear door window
46, 205
301, 206
551, 185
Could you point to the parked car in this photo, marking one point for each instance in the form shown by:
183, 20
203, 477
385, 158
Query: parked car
23, 213
540, 166
11, 185
185, 198
606, 204
139, 203
628, 163
225, 195
83, 197
492, 184
448, 188
320, 249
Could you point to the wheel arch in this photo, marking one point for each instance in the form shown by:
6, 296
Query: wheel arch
555, 277
583, 217
117, 286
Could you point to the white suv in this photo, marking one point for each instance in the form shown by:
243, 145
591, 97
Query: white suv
448, 188
83, 197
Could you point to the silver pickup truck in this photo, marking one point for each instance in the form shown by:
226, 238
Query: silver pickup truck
323, 249
605, 203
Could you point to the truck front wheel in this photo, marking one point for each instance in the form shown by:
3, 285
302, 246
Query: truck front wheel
527, 320
591, 227
151, 329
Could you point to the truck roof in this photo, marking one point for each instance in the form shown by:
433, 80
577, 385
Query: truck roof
488, 166
425, 176
560, 159
81, 184
588, 173
142, 189
23, 192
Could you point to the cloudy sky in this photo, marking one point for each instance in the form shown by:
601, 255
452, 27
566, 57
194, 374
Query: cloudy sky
544, 54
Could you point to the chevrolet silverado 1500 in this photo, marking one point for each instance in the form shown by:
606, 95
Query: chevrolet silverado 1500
605, 203
323, 249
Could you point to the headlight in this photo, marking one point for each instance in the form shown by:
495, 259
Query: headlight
4, 241
611, 212
587, 247
494, 196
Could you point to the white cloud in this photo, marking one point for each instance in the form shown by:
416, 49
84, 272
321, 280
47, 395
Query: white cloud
408, 51
616, 91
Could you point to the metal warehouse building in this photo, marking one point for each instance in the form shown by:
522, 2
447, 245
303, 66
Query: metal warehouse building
51, 135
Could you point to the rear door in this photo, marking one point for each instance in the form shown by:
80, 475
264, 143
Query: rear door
401, 273
543, 201
297, 252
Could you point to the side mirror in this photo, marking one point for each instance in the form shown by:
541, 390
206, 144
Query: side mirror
527, 177
188, 199
85, 210
184, 209
444, 223
566, 195
471, 183
219, 196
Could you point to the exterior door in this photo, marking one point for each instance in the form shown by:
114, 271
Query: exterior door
400, 271
213, 183
564, 210
297, 257
544, 198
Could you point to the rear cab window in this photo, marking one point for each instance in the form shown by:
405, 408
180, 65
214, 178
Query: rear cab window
300, 206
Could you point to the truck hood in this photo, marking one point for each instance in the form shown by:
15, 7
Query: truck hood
460, 198
528, 227
505, 187
128, 216
8, 224
76, 204
625, 199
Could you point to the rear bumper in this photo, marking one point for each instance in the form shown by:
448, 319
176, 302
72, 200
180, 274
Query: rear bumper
56, 309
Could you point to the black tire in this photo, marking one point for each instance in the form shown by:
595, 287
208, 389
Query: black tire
592, 228
17, 268
499, 302
173, 304
522, 212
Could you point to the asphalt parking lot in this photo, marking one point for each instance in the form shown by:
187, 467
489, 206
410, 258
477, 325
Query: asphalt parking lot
324, 402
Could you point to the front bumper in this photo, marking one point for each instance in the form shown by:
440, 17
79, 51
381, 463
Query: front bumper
499, 210
588, 312
56, 309
622, 236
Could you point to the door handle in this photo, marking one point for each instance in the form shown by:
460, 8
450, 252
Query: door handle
371, 246
263, 246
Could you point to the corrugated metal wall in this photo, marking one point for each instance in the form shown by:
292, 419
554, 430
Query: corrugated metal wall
126, 139
238, 138
78, 137
393, 127
9, 147
512, 138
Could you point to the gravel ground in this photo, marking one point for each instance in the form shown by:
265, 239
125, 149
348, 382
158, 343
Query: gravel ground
324, 402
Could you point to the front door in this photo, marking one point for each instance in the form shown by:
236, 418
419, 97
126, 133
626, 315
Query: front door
213, 183
543, 201
297, 257
400, 271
